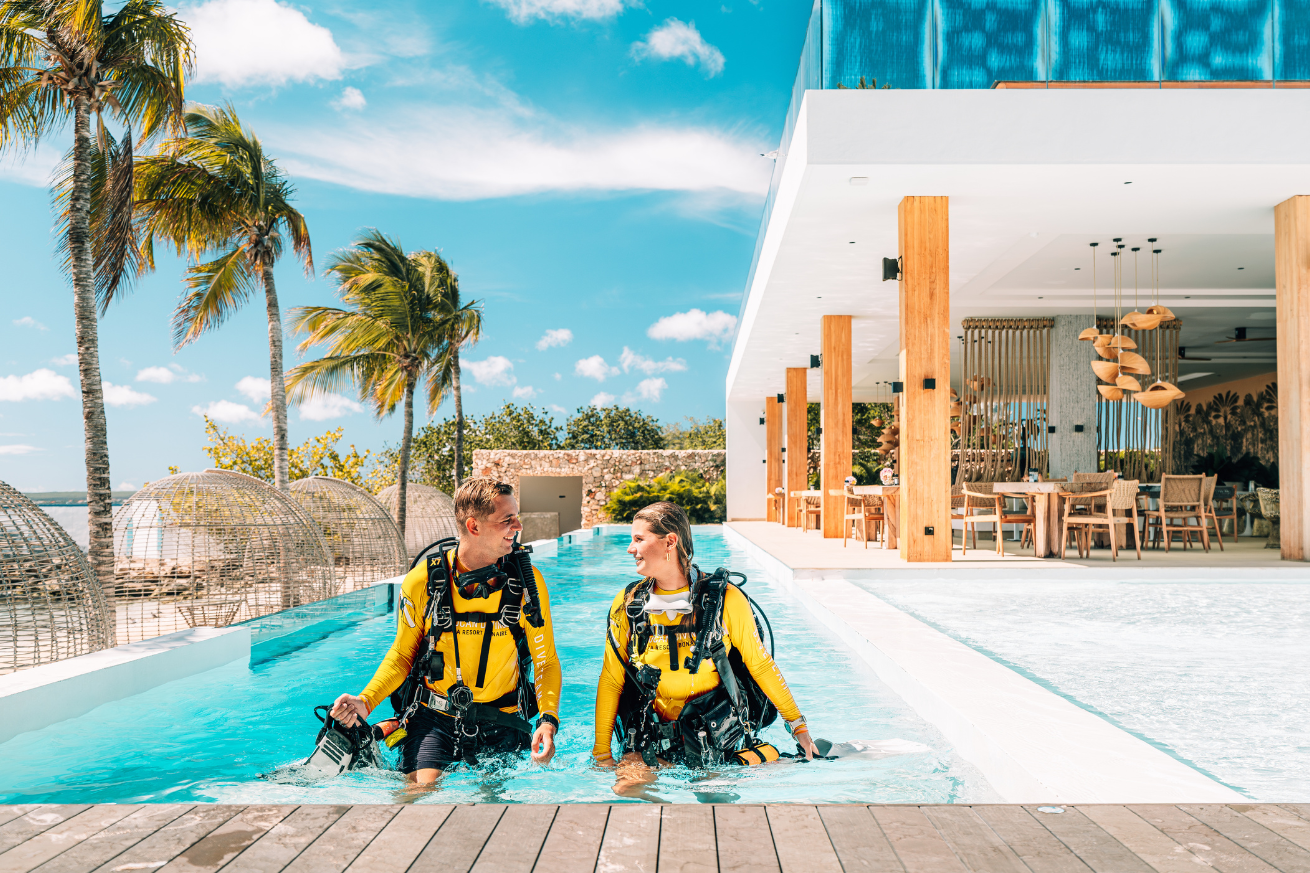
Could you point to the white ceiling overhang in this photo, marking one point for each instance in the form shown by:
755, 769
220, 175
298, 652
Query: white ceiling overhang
1033, 177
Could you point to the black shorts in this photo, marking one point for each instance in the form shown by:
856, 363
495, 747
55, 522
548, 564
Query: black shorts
430, 742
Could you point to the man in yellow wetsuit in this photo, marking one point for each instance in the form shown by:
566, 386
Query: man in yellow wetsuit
466, 698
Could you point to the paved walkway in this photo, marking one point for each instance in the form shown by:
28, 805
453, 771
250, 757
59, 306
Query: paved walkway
184, 838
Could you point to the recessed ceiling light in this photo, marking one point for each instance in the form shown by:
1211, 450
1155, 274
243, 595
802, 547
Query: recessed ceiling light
859, 180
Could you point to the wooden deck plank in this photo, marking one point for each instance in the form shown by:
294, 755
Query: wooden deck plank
341, 843
459, 840
632, 839
973, 841
1089, 841
517, 839
1202, 839
1145, 840
285, 840
745, 843
916, 842
1257, 839
228, 840
401, 841
115, 839
858, 841
687, 840
39, 820
800, 840
1301, 809
1040, 850
9, 812
1289, 825
573, 842
172, 839
32, 853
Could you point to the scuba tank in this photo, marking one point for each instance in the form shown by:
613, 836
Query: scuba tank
339, 748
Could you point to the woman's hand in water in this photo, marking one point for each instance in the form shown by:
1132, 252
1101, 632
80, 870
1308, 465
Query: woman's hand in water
802, 738
348, 708
543, 743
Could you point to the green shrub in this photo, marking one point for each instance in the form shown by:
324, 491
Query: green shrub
704, 502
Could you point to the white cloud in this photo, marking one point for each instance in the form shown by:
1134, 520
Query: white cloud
525, 392
460, 152
254, 389
322, 407
351, 98
651, 389
694, 324
523, 11
560, 409
67, 360
631, 360
168, 375
29, 321
250, 42
18, 450
39, 384
495, 370
559, 337
31, 167
680, 40
594, 368
227, 412
602, 399
558, 377
125, 395
126, 486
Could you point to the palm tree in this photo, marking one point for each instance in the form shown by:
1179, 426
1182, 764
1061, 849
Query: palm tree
461, 326
62, 59
215, 191
390, 334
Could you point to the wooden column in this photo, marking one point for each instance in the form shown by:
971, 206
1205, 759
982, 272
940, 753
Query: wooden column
797, 455
925, 448
772, 452
835, 419
1292, 282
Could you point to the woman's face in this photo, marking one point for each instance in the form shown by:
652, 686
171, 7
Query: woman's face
649, 548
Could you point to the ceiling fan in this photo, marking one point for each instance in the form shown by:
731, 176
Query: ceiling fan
1241, 337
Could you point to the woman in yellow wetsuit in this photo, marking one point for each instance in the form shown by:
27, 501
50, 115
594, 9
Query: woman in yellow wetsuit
641, 675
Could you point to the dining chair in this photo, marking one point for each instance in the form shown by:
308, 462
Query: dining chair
1026, 517
811, 508
1207, 510
1224, 513
1101, 509
1180, 500
982, 505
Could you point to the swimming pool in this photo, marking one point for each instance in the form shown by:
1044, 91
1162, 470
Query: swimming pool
1207, 671
209, 737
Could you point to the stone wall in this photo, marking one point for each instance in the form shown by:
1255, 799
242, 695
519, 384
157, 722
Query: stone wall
601, 470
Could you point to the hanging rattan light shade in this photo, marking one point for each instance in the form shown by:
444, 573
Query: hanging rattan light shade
429, 515
51, 606
210, 549
364, 541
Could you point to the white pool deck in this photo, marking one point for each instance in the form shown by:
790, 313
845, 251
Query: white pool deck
1031, 744
809, 555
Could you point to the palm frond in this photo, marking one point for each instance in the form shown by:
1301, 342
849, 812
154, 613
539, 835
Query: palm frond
218, 289
330, 374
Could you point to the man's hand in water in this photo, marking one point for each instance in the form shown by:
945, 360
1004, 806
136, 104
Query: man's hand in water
348, 708
543, 743
802, 738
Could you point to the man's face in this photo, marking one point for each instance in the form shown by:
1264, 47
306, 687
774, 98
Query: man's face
496, 531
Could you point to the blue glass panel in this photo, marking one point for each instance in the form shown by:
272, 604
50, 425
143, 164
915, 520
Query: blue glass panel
1293, 48
883, 40
981, 42
1105, 40
1218, 40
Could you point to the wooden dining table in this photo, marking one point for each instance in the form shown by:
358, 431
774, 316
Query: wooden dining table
1047, 508
890, 495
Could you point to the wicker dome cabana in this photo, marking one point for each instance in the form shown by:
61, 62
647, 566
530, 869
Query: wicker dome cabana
51, 606
429, 515
365, 543
210, 549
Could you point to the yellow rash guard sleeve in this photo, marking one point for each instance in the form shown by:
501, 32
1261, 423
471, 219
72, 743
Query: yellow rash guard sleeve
740, 623
399, 659
547, 675
610, 685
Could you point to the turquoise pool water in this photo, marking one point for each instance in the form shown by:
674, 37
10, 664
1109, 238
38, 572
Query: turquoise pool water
209, 737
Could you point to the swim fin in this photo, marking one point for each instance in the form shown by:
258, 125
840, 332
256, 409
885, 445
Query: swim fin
339, 748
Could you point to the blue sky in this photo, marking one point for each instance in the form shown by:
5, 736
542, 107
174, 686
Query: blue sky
590, 168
